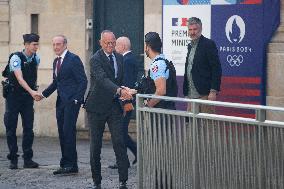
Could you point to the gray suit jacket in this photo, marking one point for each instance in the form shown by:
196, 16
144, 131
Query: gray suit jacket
103, 84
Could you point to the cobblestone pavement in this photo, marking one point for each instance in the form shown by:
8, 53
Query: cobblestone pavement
47, 154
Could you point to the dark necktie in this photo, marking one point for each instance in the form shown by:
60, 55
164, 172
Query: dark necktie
58, 65
111, 61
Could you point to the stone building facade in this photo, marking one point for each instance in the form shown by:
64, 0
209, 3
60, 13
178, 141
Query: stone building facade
70, 17
53, 17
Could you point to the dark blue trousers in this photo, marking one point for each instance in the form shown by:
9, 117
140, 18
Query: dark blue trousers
66, 115
19, 104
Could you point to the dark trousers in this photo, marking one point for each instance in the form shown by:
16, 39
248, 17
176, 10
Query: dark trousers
127, 139
19, 104
97, 125
66, 115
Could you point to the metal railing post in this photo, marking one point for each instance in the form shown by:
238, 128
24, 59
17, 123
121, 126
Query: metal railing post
260, 115
139, 104
195, 110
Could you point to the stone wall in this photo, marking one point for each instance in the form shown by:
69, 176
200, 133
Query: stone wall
4, 49
275, 70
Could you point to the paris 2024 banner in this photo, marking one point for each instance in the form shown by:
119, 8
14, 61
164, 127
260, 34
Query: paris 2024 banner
241, 30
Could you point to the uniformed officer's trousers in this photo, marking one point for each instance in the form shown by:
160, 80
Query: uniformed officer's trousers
19, 104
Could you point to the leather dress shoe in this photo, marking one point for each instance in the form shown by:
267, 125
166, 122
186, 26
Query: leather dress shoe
97, 186
30, 164
13, 164
123, 185
58, 171
113, 166
66, 171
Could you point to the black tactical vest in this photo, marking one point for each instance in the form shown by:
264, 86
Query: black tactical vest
29, 71
171, 86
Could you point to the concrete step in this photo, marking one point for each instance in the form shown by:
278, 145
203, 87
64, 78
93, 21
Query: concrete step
84, 133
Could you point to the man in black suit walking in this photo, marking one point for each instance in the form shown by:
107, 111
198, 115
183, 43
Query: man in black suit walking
130, 71
103, 106
203, 70
70, 81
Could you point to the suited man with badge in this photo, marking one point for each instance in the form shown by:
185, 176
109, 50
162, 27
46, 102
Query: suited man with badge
70, 81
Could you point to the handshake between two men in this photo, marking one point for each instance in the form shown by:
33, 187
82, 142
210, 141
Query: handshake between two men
125, 95
126, 98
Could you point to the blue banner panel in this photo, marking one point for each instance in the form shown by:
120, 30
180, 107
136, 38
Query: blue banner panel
241, 29
240, 42
241, 46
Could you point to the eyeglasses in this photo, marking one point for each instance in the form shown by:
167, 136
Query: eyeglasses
109, 43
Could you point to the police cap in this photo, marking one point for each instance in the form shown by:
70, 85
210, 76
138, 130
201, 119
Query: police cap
28, 38
154, 41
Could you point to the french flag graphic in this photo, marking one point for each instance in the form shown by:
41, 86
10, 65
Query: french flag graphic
174, 21
183, 2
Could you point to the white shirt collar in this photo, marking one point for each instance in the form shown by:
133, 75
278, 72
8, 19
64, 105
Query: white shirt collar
63, 54
126, 53
108, 54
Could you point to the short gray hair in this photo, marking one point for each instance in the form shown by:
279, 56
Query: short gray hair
105, 31
64, 38
125, 41
194, 20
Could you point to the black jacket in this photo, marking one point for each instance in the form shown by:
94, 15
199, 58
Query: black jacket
206, 69
130, 68
103, 82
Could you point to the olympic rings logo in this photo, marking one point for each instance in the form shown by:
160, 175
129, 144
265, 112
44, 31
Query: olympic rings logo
235, 60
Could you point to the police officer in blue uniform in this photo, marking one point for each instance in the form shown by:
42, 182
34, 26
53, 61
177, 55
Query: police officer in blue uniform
160, 74
158, 71
22, 75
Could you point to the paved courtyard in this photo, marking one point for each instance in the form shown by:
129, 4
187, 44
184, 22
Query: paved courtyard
47, 154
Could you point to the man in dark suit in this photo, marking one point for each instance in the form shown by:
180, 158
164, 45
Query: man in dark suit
103, 106
130, 71
70, 81
203, 70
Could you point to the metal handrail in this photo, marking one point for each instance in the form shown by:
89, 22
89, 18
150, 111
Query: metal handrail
213, 103
181, 149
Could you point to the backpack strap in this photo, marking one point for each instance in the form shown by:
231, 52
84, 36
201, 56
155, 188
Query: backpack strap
159, 58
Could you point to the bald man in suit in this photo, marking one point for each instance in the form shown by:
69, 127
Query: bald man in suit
103, 106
